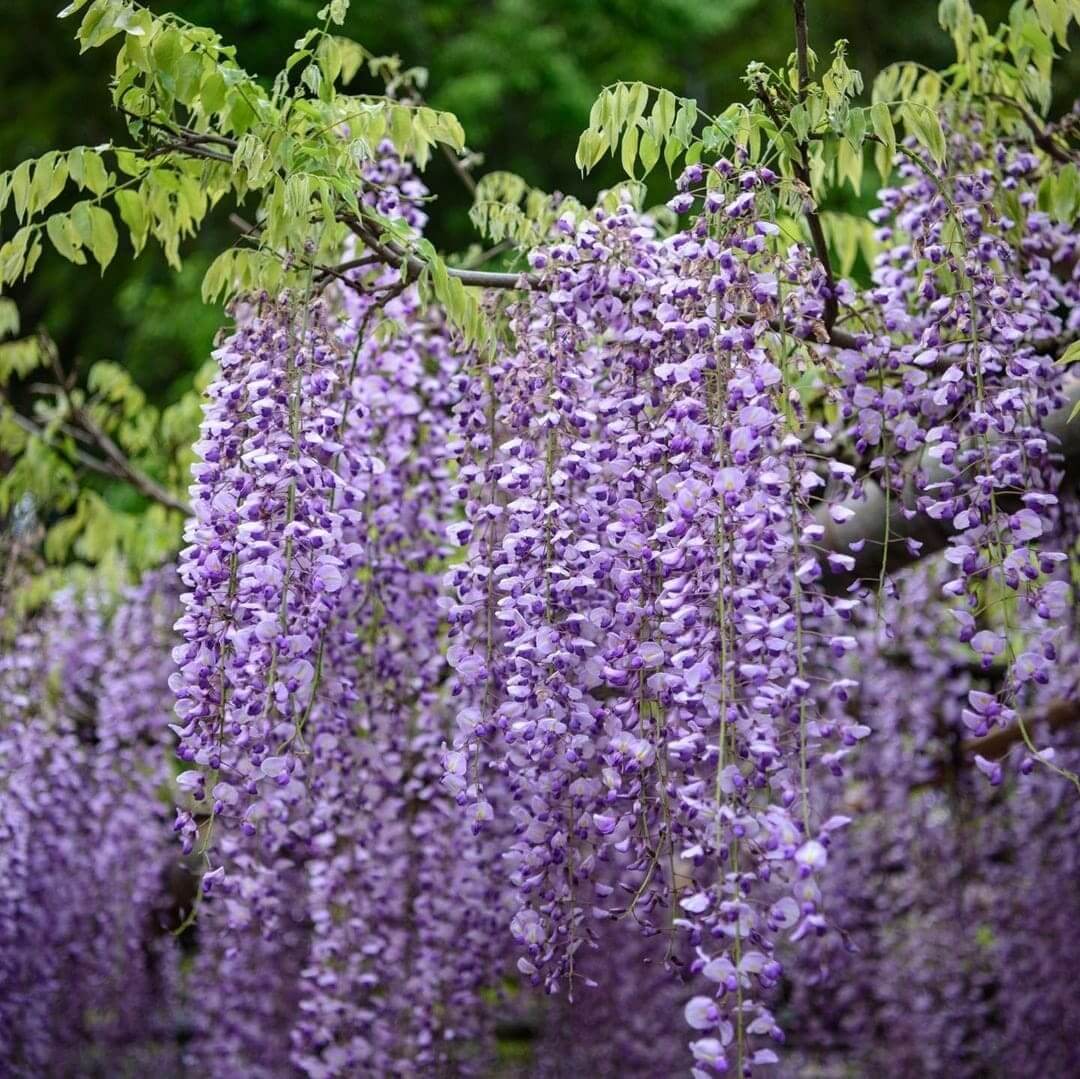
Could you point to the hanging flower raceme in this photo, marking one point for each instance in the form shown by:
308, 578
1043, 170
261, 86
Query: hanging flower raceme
421, 938
265, 560
644, 631
949, 411
85, 850
379, 902
630, 627
936, 889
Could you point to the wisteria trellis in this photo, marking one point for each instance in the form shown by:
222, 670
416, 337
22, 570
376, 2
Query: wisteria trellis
559, 661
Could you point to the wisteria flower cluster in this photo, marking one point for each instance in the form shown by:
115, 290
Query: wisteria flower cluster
311, 688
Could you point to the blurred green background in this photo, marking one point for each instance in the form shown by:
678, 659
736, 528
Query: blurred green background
520, 74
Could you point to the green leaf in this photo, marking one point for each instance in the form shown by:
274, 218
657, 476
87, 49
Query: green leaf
110, 382
629, 150
591, 148
168, 48
61, 536
105, 238
33, 254
849, 165
20, 188
50, 175
130, 164
189, 73
75, 165
638, 99
1070, 355
19, 358
13, 255
401, 129
103, 21
133, 213
62, 234
799, 118
856, 127
881, 121
9, 317
672, 149
450, 131
81, 221
218, 276
213, 92
685, 121
663, 113
648, 151
329, 56
240, 115
926, 127
352, 59
1066, 193
843, 236
95, 176
95, 230
335, 11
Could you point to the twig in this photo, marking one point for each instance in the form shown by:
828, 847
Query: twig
459, 168
491, 253
323, 273
138, 479
1039, 135
414, 266
188, 148
121, 466
356, 264
813, 220
995, 745
187, 132
74, 454
801, 164
244, 226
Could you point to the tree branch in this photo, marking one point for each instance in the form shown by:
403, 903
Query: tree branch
413, 266
884, 525
117, 463
1039, 135
801, 47
116, 466
193, 149
127, 471
189, 134
459, 168
322, 273
801, 168
74, 454
801, 164
995, 745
